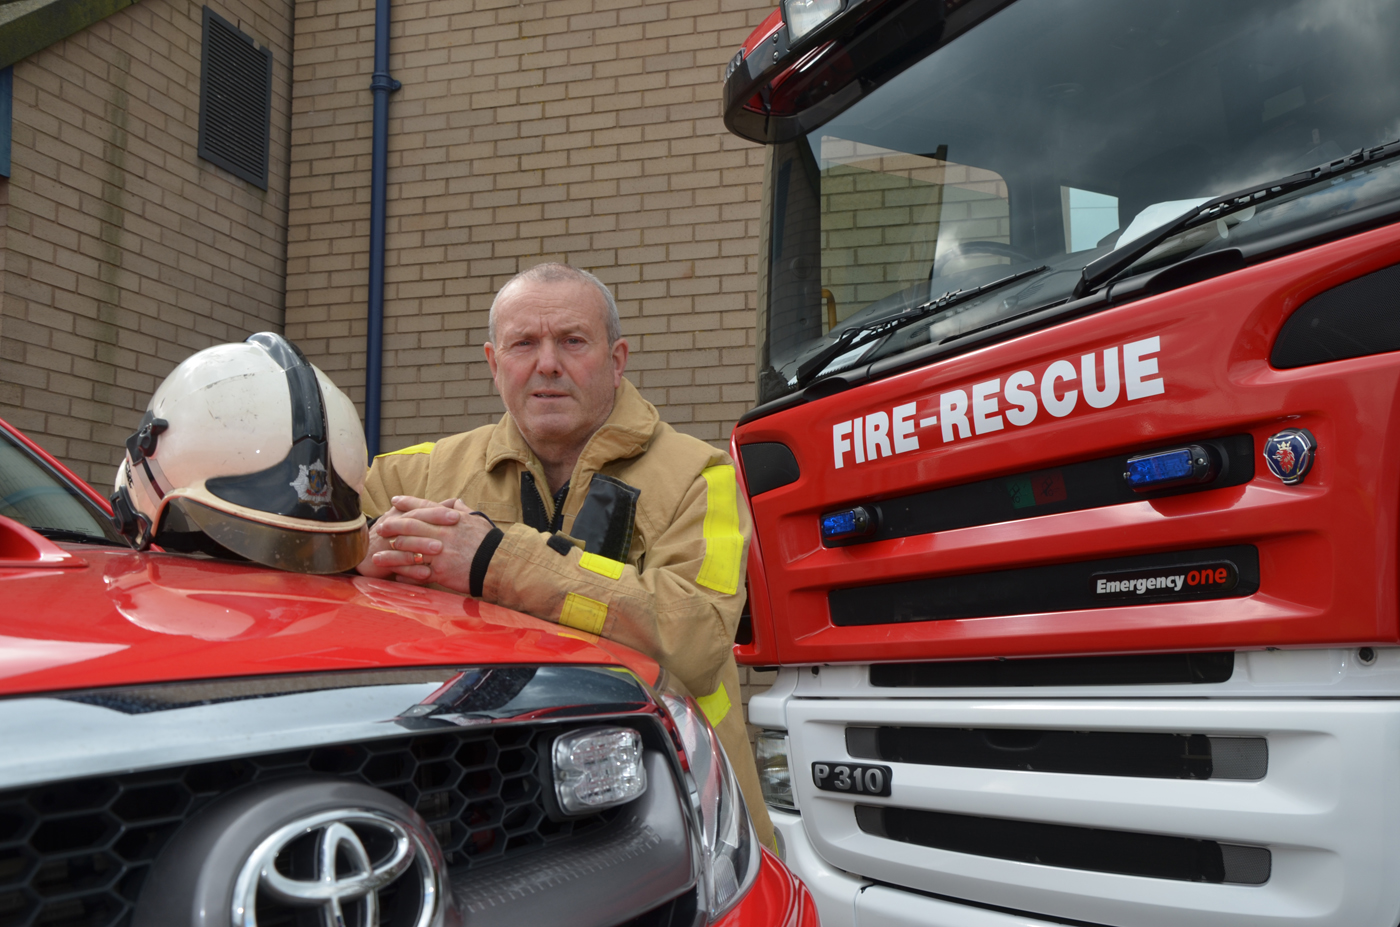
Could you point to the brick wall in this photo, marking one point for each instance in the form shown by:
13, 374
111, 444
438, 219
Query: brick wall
123, 252
585, 131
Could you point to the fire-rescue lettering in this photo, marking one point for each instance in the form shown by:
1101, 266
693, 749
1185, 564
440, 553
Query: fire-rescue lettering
1100, 379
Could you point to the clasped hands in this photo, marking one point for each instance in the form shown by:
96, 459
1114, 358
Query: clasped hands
420, 541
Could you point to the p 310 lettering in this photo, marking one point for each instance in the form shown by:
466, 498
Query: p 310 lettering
851, 778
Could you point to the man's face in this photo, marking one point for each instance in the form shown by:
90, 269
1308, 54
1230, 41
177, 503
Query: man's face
552, 362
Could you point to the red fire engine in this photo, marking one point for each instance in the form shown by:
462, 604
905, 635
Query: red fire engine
1076, 466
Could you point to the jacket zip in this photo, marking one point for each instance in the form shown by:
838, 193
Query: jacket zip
557, 522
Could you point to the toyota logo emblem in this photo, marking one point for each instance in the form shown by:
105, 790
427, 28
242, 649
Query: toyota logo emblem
344, 858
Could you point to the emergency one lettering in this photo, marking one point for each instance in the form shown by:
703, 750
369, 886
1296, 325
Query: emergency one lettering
1097, 380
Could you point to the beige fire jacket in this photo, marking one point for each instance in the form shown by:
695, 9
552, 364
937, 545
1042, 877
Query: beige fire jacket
666, 537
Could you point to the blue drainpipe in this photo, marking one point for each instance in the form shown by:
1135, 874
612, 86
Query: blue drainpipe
380, 85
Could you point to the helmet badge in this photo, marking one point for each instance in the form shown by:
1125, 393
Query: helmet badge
313, 484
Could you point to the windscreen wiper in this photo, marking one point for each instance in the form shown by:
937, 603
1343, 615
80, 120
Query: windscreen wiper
75, 537
853, 338
1097, 273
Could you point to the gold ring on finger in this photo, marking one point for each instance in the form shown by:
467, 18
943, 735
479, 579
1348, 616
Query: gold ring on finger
394, 543
417, 559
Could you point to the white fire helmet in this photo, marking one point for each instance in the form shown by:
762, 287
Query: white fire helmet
248, 448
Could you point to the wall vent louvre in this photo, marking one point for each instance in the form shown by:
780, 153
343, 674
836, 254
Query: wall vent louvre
235, 100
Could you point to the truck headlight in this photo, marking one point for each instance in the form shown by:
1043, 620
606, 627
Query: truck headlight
729, 848
774, 777
802, 16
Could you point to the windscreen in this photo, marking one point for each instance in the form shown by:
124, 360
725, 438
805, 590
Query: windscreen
32, 494
1050, 134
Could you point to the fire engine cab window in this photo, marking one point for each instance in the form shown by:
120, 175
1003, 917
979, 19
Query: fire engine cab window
1047, 135
891, 220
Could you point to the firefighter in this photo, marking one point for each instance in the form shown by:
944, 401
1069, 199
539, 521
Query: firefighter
580, 506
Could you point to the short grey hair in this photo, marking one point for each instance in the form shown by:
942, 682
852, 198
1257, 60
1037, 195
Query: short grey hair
559, 273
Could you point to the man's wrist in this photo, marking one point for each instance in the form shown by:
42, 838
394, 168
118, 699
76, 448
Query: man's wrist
481, 561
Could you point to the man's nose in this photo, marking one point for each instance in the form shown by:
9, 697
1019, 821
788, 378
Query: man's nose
547, 360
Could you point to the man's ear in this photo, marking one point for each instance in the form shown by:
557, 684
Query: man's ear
620, 350
490, 351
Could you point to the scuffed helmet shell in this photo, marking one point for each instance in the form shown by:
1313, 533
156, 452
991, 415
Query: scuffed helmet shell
261, 451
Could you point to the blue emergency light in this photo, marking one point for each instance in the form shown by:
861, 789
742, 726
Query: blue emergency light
849, 523
1182, 466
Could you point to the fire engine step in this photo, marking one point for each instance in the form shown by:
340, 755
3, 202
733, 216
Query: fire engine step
1152, 855
1090, 753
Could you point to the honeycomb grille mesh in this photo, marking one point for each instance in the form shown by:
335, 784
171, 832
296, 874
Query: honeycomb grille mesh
75, 853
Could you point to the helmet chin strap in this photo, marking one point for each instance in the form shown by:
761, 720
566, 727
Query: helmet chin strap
130, 523
127, 517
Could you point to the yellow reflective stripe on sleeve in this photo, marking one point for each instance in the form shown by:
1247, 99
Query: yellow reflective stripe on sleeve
715, 705
724, 544
612, 569
425, 448
583, 613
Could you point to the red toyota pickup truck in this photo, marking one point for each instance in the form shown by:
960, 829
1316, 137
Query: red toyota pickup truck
194, 741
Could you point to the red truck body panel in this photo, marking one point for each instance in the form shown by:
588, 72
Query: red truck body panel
1327, 547
765, 30
126, 618
777, 899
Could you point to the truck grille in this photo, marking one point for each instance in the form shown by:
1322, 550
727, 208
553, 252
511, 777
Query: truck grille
1153, 855
1132, 669
1091, 753
75, 853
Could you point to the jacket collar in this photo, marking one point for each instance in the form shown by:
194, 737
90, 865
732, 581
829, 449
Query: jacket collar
627, 433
